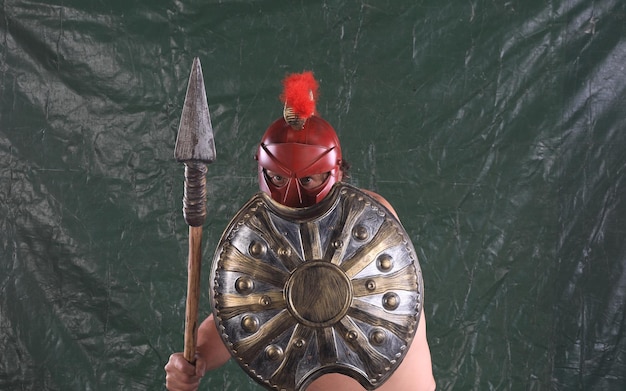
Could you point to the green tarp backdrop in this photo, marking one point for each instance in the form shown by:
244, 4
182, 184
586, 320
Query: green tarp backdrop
497, 130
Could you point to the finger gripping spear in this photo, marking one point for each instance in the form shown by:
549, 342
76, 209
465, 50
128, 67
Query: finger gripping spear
195, 147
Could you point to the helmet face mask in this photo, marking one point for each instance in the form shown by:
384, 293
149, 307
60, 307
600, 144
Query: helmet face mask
299, 191
296, 155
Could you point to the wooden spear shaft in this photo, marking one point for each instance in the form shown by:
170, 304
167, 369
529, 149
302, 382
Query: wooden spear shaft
193, 292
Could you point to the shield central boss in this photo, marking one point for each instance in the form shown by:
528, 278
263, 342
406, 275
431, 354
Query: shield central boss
300, 292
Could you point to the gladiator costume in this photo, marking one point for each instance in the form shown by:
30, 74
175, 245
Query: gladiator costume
306, 282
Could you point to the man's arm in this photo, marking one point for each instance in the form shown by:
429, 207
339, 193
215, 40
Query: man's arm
414, 373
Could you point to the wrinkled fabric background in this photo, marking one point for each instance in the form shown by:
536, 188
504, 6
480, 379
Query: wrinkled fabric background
495, 128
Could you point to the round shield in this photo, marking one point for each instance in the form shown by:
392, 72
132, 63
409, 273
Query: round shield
301, 292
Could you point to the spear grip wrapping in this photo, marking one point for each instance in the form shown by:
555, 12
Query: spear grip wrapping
194, 199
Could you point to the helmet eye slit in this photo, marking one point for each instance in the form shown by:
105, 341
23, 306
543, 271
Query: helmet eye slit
276, 179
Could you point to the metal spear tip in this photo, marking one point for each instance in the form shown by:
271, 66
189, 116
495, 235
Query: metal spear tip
195, 133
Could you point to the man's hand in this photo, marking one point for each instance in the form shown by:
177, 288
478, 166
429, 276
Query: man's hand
183, 376
210, 354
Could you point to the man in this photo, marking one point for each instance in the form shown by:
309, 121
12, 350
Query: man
299, 160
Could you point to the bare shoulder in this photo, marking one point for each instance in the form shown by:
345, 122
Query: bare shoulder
380, 199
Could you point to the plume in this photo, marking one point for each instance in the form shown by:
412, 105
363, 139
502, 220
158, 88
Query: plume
300, 92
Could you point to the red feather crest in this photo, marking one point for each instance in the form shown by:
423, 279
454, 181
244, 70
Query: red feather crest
299, 95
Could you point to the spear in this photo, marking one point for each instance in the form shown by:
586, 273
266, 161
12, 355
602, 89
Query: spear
195, 148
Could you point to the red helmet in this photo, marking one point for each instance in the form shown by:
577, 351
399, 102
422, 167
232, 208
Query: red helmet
296, 154
297, 146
